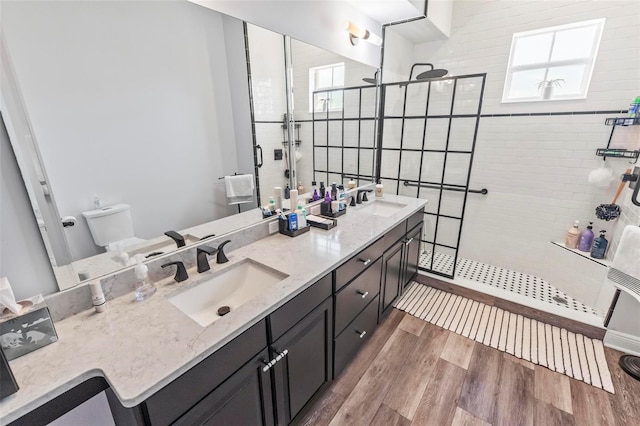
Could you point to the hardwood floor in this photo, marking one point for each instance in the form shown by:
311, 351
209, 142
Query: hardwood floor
415, 373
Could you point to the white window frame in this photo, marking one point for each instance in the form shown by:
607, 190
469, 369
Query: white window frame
312, 82
588, 61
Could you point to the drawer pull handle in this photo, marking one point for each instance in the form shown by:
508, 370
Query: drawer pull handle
366, 262
267, 365
361, 334
281, 355
409, 241
365, 294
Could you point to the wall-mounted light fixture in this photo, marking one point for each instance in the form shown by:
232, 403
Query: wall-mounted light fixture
356, 33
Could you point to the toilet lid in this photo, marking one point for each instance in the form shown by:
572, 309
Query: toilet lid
127, 242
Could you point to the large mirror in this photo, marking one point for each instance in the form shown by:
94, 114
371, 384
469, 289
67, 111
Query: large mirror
144, 107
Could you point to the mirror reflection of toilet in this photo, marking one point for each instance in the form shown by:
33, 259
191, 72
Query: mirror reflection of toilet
111, 227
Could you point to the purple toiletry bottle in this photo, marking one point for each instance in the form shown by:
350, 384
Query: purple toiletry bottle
586, 239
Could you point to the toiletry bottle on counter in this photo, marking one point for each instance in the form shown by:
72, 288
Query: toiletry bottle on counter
379, 190
302, 216
293, 199
351, 184
342, 198
314, 192
334, 191
322, 190
586, 238
144, 287
300, 188
599, 249
97, 297
573, 235
287, 192
292, 218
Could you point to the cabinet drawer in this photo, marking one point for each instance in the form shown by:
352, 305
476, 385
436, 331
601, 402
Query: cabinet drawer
391, 237
170, 402
358, 263
353, 298
354, 336
293, 311
415, 219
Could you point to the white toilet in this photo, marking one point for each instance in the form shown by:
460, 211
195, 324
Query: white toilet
112, 227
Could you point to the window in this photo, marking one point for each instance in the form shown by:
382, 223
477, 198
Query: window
552, 63
326, 77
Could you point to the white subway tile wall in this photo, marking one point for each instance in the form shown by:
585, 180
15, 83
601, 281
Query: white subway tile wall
535, 167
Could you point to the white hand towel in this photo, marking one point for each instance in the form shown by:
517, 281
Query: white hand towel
625, 269
239, 188
627, 258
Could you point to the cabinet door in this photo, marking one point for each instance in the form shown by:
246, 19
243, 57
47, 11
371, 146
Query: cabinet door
412, 257
392, 274
306, 367
245, 398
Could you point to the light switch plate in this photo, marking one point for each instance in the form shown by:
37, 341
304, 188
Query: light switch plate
273, 227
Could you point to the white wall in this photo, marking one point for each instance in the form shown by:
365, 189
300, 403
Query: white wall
536, 167
130, 102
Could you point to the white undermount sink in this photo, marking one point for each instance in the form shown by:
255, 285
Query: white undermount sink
232, 288
382, 208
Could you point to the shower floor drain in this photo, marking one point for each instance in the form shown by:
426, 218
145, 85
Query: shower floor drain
506, 279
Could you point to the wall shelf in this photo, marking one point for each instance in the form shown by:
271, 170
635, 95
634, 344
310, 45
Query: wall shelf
586, 255
619, 153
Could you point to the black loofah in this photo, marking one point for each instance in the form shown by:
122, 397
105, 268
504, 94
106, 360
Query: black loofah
608, 212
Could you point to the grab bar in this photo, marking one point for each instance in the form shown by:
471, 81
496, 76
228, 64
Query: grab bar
483, 191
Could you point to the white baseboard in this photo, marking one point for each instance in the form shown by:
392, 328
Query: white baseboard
622, 342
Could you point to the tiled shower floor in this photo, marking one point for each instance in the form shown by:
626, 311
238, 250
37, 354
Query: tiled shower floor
506, 279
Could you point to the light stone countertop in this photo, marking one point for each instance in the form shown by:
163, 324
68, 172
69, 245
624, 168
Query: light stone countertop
141, 347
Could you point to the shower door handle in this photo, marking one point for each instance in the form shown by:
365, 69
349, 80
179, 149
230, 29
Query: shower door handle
258, 147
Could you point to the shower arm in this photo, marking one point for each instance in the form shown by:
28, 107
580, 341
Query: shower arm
423, 64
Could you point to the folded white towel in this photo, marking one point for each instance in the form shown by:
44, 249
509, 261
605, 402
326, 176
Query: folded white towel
239, 188
627, 258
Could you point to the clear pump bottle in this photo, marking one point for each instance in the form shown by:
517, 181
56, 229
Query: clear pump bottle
144, 287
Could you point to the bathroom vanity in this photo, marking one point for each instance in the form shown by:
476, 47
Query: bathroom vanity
260, 364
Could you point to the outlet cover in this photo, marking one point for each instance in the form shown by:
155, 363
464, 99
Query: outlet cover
277, 154
273, 227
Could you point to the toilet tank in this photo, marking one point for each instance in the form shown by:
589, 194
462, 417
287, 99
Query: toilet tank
110, 224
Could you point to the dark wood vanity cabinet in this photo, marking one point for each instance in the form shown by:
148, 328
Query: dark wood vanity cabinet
306, 366
412, 258
392, 275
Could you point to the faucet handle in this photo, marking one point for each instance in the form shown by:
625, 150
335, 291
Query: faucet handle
181, 272
222, 258
179, 239
201, 257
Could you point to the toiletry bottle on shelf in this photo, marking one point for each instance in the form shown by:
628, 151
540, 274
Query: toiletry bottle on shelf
342, 198
586, 238
322, 190
599, 249
144, 287
287, 192
573, 234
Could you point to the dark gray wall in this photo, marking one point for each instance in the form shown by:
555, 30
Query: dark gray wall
23, 258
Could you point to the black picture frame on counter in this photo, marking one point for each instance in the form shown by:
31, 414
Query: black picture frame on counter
8, 384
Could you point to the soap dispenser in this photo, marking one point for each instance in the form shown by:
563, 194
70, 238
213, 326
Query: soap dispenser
144, 287
599, 248
573, 234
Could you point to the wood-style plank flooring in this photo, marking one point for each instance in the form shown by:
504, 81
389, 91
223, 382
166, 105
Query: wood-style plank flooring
414, 373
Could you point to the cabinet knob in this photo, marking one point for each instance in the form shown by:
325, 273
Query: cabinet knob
365, 294
361, 334
365, 262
